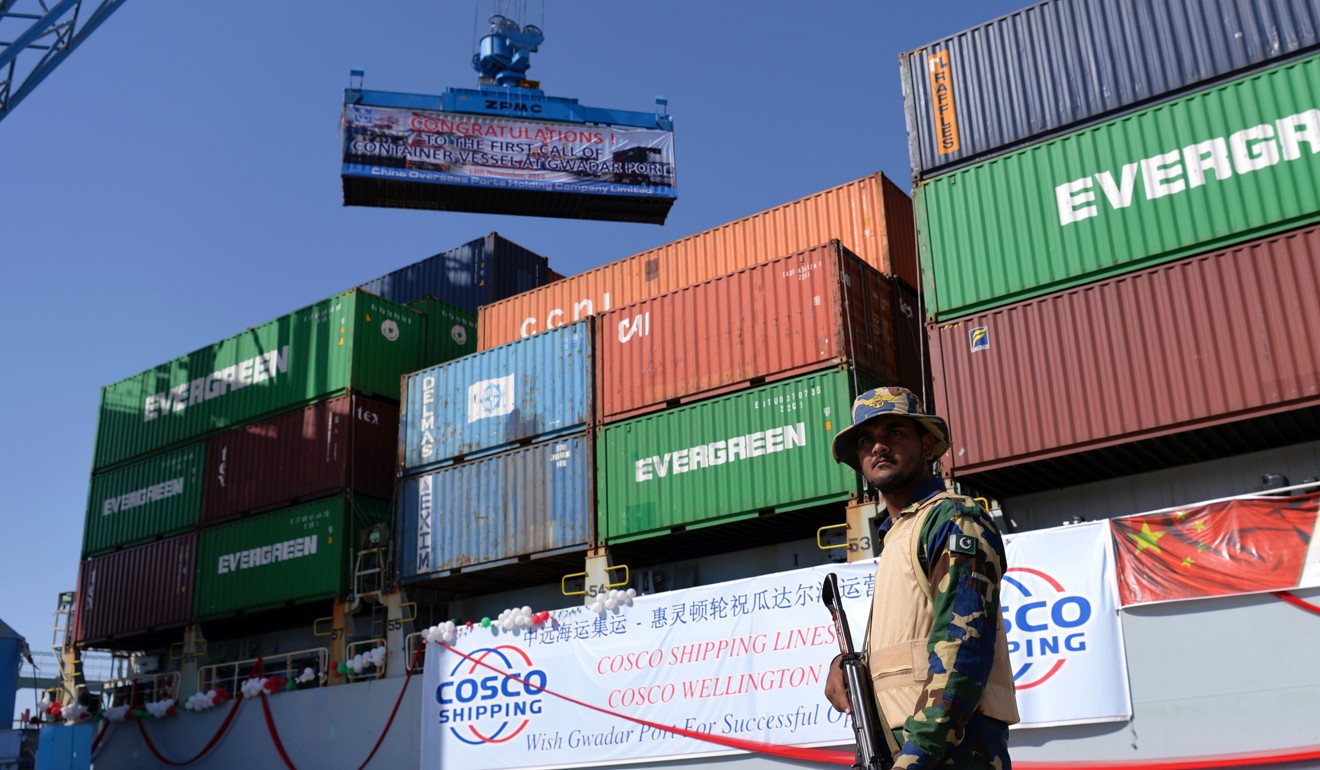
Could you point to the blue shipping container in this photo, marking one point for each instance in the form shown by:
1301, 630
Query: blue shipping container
479, 404
1061, 63
477, 273
529, 501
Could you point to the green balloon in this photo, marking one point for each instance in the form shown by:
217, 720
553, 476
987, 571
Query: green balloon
485, 622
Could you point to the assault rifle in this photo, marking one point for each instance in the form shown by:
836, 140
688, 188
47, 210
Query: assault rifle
875, 741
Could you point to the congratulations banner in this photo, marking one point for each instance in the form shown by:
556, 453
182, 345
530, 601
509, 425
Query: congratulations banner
462, 149
745, 660
1061, 614
1238, 546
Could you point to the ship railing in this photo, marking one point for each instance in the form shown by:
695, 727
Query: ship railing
365, 645
410, 644
138, 690
290, 666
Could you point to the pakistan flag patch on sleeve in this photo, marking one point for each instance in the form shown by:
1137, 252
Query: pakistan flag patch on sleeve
962, 544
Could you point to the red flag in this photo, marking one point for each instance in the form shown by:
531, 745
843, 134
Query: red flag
1231, 547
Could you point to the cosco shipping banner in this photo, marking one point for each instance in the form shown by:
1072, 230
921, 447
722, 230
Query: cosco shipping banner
460, 149
1061, 615
745, 659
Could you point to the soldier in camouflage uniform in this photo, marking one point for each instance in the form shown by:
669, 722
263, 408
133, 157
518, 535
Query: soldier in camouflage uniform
935, 641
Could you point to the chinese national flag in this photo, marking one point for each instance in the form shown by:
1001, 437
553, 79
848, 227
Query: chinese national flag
1231, 547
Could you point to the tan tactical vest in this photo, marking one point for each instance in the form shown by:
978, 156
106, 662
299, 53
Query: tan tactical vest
901, 619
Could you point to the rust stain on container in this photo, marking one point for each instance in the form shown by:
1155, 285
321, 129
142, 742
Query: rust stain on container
345, 443
819, 308
871, 216
1225, 336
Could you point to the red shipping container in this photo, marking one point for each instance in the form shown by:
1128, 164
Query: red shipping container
348, 443
813, 310
871, 216
1222, 337
137, 591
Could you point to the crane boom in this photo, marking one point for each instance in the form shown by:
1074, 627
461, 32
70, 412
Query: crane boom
34, 41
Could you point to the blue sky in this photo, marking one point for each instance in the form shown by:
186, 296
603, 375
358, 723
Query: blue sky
176, 181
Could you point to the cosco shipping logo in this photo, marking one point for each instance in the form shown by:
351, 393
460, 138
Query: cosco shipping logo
1046, 625
482, 706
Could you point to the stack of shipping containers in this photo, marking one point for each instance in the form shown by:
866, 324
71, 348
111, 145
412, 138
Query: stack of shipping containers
240, 477
726, 360
496, 463
1118, 209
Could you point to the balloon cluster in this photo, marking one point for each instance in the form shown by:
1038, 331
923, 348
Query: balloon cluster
513, 619
612, 600
445, 632
77, 713
201, 701
364, 660
518, 618
117, 713
266, 684
306, 676
161, 708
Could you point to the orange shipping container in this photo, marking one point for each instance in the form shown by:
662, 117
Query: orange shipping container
871, 216
809, 311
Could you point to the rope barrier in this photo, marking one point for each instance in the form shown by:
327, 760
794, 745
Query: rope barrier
233, 710
1297, 601
279, 745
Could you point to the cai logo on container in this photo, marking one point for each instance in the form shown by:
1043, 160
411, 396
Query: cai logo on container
480, 706
1045, 624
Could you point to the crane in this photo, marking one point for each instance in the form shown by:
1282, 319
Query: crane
41, 34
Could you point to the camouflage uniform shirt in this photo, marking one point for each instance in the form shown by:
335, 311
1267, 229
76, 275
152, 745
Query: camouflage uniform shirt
947, 730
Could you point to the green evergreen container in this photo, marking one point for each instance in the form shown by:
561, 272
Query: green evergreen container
729, 458
451, 331
355, 341
294, 555
150, 499
1226, 165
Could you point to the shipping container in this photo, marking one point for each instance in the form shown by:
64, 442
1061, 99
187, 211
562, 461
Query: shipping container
871, 216
1221, 337
817, 309
451, 331
729, 458
1231, 164
477, 273
150, 499
291, 556
128, 594
345, 444
1059, 64
351, 342
533, 501
512, 394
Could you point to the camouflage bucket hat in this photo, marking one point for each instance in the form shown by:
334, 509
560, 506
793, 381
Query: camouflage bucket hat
879, 402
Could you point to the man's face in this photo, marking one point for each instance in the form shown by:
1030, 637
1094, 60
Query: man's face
894, 452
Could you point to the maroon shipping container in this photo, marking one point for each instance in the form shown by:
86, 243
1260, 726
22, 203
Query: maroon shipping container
1222, 337
137, 591
808, 311
345, 443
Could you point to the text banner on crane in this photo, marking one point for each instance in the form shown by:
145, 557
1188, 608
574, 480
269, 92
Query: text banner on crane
493, 152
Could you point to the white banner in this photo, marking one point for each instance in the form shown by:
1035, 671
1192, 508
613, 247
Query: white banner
489, 151
1060, 605
745, 659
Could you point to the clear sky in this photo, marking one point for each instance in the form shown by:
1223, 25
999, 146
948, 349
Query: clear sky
176, 181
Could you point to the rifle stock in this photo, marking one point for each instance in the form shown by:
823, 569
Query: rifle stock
875, 741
